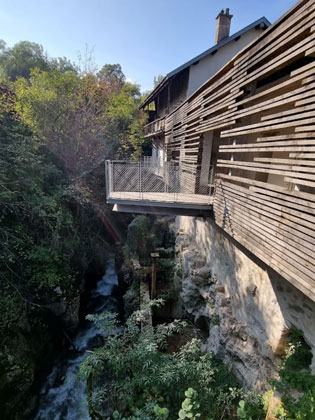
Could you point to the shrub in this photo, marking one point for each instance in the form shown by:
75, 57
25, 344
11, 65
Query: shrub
144, 373
297, 383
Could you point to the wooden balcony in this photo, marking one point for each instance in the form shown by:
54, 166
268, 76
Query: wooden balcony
155, 128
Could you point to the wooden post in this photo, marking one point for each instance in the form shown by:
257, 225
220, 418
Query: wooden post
157, 107
169, 96
154, 256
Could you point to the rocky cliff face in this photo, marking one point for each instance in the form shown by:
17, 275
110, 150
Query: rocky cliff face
134, 262
244, 309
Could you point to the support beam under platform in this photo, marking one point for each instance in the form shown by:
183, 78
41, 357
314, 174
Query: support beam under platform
169, 211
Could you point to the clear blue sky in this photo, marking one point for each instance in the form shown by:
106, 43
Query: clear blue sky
146, 37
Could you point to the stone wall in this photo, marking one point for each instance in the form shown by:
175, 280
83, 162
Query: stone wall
244, 307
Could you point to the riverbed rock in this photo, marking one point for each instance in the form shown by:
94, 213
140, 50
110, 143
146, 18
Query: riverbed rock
67, 311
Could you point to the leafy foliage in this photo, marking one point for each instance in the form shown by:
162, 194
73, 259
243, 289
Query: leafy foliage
242, 411
297, 383
140, 240
19, 60
144, 372
82, 119
56, 125
112, 74
157, 80
33, 212
190, 406
37, 245
151, 411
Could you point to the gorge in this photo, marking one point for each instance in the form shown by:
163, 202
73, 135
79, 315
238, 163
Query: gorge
63, 395
180, 285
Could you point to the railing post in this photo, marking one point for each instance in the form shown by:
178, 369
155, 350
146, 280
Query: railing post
178, 174
111, 177
165, 175
174, 180
211, 182
140, 181
108, 178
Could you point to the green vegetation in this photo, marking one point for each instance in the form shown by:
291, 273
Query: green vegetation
140, 240
157, 80
21, 58
57, 125
190, 406
297, 383
150, 381
38, 245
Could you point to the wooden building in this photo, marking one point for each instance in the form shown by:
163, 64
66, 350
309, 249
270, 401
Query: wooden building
183, 81
253, 121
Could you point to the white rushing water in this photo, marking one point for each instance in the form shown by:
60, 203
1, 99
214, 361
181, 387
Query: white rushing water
63, 396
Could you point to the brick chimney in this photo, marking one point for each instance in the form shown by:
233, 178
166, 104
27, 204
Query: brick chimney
223, 25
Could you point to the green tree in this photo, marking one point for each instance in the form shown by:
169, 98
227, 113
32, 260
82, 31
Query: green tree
157, 80
62, 64
66, 113
82, 120
56, 125
38, 247
112, 74
19, 60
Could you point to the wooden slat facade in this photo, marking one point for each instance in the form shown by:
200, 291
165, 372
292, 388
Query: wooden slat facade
261, 110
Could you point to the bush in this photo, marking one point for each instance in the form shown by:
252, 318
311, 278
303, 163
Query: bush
297, 383
144, 372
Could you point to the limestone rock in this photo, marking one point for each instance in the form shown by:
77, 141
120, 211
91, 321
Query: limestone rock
242, 308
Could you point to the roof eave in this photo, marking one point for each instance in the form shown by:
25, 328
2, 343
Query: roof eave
164, 82
220, 45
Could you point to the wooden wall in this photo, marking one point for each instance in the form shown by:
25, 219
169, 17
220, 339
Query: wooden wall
261, 106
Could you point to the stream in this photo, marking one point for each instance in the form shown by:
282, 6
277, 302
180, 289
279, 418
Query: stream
63, 396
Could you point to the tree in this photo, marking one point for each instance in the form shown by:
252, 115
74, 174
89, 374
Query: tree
112, 74
19, 60
38, 241
63, 64
66, 112
82, 119
25, 56
157, 80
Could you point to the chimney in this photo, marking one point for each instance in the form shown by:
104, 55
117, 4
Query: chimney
223, 25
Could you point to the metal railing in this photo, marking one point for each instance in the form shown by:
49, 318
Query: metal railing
151, 179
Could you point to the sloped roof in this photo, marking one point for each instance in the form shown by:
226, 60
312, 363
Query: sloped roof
262, 21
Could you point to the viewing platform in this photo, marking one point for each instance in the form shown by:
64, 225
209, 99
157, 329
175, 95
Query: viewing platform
151, 186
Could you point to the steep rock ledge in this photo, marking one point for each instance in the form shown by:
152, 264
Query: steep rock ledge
244, 308
133, 263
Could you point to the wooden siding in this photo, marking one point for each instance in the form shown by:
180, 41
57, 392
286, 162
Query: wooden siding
261, 107
155, 128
